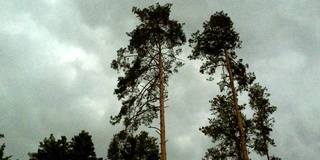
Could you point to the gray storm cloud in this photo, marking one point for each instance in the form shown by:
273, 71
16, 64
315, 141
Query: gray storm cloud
55, 74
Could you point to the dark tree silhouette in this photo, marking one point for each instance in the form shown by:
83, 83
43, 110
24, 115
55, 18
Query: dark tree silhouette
217, 44
80, 148
147, 62
52, 149
124, 146
2, 147
222, 130
262, 121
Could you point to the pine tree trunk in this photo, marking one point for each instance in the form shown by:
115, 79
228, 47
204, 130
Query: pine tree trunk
267, 150
264, 136
162, 118
265, 144
238, 113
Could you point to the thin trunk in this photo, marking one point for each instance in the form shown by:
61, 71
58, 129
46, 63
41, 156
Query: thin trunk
263, 135
238, 114
162, 119
264, 140
266, 145
238, 146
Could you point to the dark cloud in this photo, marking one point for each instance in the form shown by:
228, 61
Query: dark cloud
55, 74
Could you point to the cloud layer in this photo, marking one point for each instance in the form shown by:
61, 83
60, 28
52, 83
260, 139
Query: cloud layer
55, 74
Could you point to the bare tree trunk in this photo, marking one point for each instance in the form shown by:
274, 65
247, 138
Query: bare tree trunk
162, 118
238, 113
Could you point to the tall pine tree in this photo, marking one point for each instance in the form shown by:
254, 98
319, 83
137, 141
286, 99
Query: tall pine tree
147, 62
217, 44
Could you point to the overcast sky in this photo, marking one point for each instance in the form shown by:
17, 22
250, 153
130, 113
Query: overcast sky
55, 74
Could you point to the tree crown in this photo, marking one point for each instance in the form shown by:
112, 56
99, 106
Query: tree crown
211, 45
139, 87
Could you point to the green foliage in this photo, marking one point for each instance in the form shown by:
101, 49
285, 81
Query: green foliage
124, 146
225, 135
138, 89
275, 158
2, 157
80, 148
215, 45
218, 35
52, 149
223, 131
210, 45
260, 104
2, 147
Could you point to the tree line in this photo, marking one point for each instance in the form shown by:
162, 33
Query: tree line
147, 63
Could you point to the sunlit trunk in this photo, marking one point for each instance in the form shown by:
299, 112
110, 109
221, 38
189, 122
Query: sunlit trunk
162, 118
238, 113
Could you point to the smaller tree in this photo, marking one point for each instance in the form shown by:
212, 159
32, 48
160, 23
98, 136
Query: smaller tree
124, 146
262, 121
51, 149
3, 146
82, 147
222, 130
